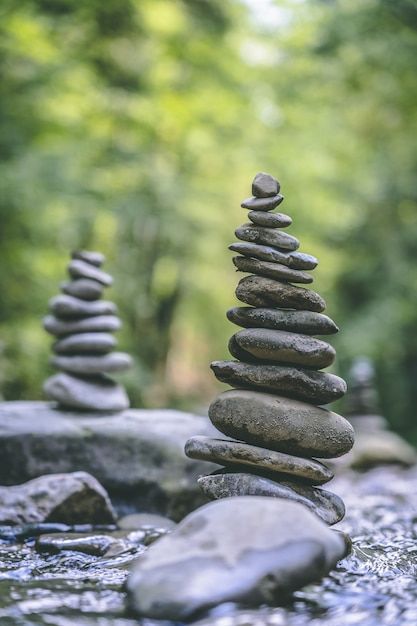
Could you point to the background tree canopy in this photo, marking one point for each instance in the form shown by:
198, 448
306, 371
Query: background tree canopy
135, 127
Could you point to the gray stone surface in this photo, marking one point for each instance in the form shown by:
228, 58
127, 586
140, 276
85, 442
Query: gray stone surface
86, 543
83, 288
64, 306
271, 220
139, 521
271, 270
296, 260
95, 393
82, 269
237, 453
250, 549
305, 322
295, 382
263, 204
267, 236
259, 291
107, 363
97, 323
85, 343
302, 261
137, 455
326, 505
264, 185
284, 347
281, 424
94, 258
76, 498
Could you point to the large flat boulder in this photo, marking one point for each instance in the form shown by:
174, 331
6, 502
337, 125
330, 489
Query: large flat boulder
137, 455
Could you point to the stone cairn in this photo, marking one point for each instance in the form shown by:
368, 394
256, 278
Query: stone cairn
272, 416
82, 324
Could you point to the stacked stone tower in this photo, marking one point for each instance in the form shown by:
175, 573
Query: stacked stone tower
82, 324
273, 417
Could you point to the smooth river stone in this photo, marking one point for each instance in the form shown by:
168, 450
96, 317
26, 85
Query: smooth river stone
259, 291
83, 288
284, 347
67, 306
85, 343
296, 260
270, 220
305, 322
229, 452
281, 424
113, 362
95, 393
83, 269
265, 185
97, 323
267, 236
263, 204
326, 505
271, 270
295, 382
94, 258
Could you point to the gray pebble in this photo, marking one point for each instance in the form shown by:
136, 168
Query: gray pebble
305, 322
95, 393
265, 185
267, 236
112, 362
94, 258
259, 291
296, 260
83, 288
67, 306
83, 269
97, 323
85, 343
270, 220
263, 204
271, 270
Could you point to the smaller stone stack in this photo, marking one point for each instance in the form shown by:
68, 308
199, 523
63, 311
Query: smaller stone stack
272, 415
82, 324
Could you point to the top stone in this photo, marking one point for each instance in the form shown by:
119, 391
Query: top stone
94, 258
265, 186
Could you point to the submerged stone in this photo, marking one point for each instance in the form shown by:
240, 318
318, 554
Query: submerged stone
271, 270
259, 291
305, 322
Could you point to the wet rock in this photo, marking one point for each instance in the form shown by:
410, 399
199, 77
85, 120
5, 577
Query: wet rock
251, 549
267, 236
94, 258
86, 343
74, 498
97, 323
271, 270
95, 393
295, 382
305, 322
83, 288
107, 363
238, 453
281, 424
139, 521
96, 545
283, 347
68, 306
82, 269
271, 220
326, 505
265, 292
263, 204
265, 185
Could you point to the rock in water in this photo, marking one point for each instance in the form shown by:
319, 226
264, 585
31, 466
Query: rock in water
247, 549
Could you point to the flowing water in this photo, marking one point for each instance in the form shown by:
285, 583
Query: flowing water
376, 585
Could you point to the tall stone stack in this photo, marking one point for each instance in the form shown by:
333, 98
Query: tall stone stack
272, 417
82, 324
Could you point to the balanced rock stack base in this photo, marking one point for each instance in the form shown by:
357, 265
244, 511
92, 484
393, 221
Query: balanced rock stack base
273, 417
83, 325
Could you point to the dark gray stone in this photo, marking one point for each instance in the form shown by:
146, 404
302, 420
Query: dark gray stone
95, 393
302, 261
281, 424
64, 306
267, 236
83, 269
103, 364
85, 343
264, 185
305, 322
326, 505
94, 258
253, 550
294, 382
76, 498
295, 260
263, 204
271, 220
259, 291
83, 288
271, 270
96, 323
284, 347
228, 452
86, 543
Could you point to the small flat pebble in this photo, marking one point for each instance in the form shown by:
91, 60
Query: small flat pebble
94, 258
64, 306
262, 204
97, 323
305, 322
270, 220
83, 288
259, 291
92, 393
265, 185
267, 236
271, 270
87, 543
86, 343
82, 269
107, 363
295, 260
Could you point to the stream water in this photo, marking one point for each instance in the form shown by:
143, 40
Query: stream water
376, 585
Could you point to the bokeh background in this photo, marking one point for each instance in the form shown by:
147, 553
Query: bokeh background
135, 127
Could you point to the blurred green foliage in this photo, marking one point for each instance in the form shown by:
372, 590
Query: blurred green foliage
135, 127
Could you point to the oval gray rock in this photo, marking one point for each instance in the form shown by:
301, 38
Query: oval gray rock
284, 347
67, 306
270, 220
83, 288
95, 393
281, 424
97, 323
305, 322
82, 269
85, 343
271, 270
263, 204
295, 382
267, 236
326, 505
228, 452
106, 363
94, 258
259, 291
